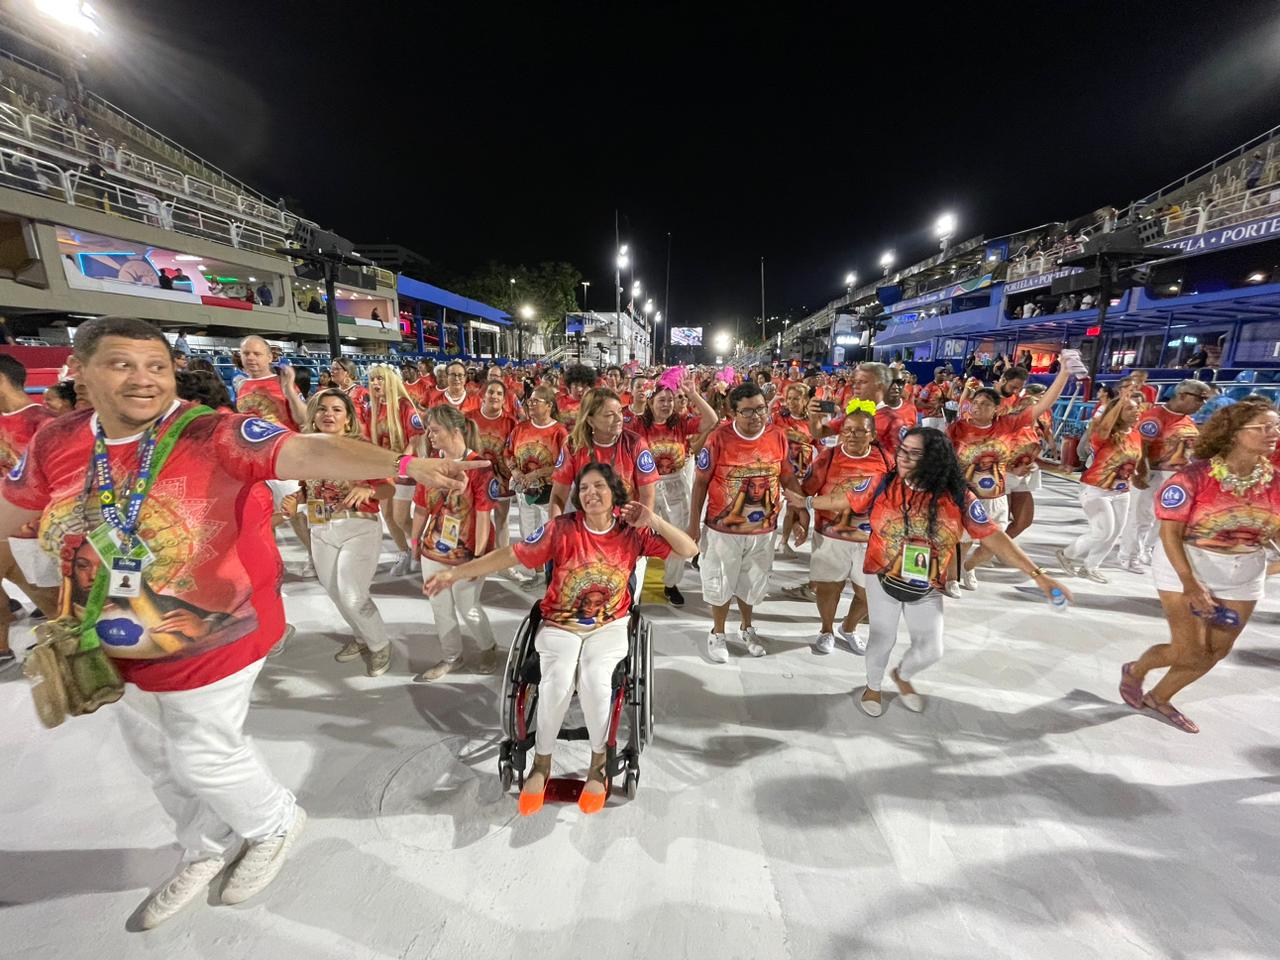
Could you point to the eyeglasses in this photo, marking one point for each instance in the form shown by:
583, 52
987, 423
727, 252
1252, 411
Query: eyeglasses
750, 411
906, 453
1198, 397
1264, 427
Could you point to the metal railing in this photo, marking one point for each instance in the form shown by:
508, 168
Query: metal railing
1223, 211
22, 172
1045, 262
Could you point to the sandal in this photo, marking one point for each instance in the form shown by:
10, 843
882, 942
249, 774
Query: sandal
1130, 686
594, 802
1171, 714
530, 801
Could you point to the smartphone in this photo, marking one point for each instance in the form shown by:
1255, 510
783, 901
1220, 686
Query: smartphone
827, 406
1221, 616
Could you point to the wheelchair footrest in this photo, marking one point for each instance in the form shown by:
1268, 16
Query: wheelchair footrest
563, 790
573, 733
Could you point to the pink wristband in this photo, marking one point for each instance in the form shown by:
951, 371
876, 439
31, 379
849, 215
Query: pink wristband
402, 471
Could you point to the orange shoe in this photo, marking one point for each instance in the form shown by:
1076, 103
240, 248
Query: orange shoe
594, 802
530, 801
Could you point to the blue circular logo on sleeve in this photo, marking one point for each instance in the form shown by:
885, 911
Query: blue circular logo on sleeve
1149, 429
494, 489
19, 467
1173, 496
645, 462
862, 485
560, 459
415, 421
978, 513
255, 429
536, 535
704, 459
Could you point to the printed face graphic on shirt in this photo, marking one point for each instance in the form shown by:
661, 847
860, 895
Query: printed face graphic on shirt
588, 590
752, 499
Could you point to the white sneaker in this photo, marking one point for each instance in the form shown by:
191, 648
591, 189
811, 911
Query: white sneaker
1145, 558
401, 566
952, 589
1093, 575
752, 640
969, 579
261, 862
855, 642
1066, 563
715, 649
185, 885
351, 650
278, 647
825, 643
1133, 565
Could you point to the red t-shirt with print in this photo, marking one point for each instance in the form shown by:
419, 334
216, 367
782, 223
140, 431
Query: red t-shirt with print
567, 410
207, 524
493, 444
1169, 437
835, 471
629, 456
1218, 519
264, 397
986, 452
744, 478
410, 420
17, 429
469, 404
800, 448
449, 536
1114, 460
670, 444
929, 400
531, 448
590, 571
900, 521
420, 392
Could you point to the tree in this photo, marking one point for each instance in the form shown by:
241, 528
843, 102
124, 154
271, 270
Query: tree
550, 288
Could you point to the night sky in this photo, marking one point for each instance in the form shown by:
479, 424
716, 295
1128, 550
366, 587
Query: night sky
811, 139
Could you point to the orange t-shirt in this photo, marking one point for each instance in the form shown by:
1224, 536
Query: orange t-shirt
744, 479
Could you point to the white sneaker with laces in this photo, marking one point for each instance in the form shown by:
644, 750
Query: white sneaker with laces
1066, 563
715, 648
188, 883
401, 566
969, 579
952, 589
1133, 565
825, 643
261, 862
855, 642
753, 641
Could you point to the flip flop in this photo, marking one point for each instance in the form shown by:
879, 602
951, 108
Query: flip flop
1170, 713
1130, 687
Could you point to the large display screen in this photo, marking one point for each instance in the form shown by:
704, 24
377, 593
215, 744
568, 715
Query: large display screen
686, 336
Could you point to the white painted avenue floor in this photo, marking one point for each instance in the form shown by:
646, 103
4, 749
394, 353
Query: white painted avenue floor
1026, 814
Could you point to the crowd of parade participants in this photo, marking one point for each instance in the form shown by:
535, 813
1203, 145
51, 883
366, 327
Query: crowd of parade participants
155, 496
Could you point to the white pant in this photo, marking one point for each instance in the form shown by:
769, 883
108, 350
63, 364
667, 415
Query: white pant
671, 503
457, 610
191, 745
531, 515
568, 657
345, 553
1105, 510
924, 627
1141, 530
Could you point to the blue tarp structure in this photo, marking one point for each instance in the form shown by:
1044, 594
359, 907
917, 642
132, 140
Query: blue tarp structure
418, 290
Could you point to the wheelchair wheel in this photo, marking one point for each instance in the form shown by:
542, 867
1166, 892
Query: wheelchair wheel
632, 784
648, 684
506, 774
507, 699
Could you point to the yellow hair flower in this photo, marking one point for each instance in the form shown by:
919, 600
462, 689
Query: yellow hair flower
861, 406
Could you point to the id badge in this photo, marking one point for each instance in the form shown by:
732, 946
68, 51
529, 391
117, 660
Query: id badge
450, 532
317, 512
915, 563
126, 578
108, 543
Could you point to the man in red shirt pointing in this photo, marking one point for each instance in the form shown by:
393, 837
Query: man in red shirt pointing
175, 579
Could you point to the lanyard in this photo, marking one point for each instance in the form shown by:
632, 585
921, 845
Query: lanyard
107, 499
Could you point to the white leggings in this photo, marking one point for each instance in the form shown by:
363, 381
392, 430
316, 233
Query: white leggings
345, 553
531, 515
457, 610
1141, 529
924, 627
671, 503
587, 659
1106, 511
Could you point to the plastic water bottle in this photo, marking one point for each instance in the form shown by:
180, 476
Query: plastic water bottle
1057, 601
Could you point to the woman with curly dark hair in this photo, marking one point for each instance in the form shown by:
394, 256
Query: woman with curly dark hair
204, 386
918, 513
1217, 516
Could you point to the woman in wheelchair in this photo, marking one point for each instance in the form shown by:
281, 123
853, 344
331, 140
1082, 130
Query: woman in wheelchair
583, 632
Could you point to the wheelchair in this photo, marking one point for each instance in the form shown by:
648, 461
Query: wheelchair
632, 700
